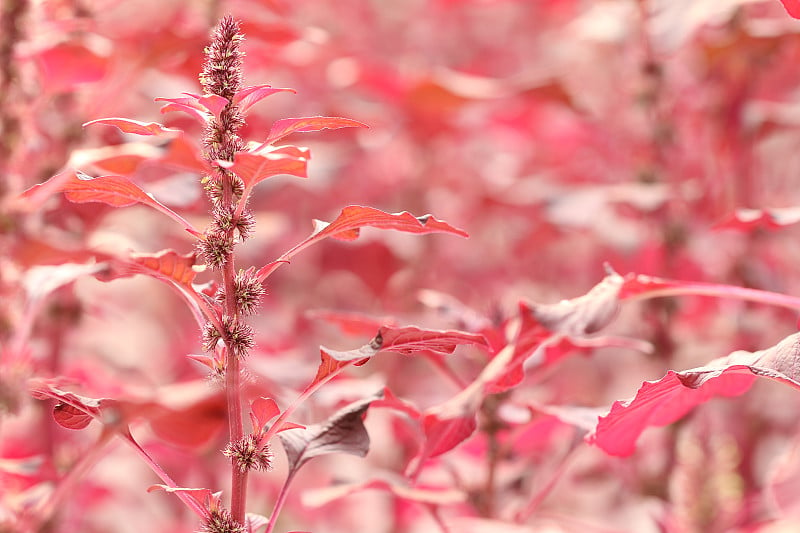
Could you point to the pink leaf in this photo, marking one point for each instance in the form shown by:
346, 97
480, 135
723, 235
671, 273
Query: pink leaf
662, 402
262, 410
287, 126
349, 323
134, 126
188, 105
249, 96
352, 218
343, 432
583, 315
792, 7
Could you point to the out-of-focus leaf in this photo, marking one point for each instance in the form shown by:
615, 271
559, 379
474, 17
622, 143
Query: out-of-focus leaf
433, 496
116, 191
134, 126
343, 432
349, 323
792, 7
72, 411
262, 410
662, 402
193, 425
748, 220
352, 218
287, 126
67, 65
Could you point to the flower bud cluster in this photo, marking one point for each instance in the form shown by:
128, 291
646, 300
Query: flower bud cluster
249, 453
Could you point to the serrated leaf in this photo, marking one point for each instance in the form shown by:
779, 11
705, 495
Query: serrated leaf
137, 127
662, 402
116, 191
403, 340
343, 432
346, 226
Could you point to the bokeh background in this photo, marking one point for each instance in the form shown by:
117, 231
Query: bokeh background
562, 135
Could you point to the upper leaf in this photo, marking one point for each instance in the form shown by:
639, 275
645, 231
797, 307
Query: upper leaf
287, 126
352, 218
343, 432
662, 402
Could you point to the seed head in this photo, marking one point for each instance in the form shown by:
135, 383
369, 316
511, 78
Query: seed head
220, 521
248, 291
249, 454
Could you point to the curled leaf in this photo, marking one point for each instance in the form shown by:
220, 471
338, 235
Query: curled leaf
585, 314
343, 432
662, 402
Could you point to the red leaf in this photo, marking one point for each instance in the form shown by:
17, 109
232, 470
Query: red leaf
117, 191
343, 432
70, 417
662, 402
352, 218
194, 425
254, 168
134, 126
167, 265
69, 64
262, 410
442, 434
287, 126
249, 96
72, 411
792, 7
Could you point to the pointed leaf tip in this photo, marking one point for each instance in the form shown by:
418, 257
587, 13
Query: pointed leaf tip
662, 402
343, 432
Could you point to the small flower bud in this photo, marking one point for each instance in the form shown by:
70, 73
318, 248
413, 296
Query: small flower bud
248, 292
249, 454
220, 521
215, 248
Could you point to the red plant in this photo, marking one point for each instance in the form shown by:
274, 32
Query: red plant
674, 165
